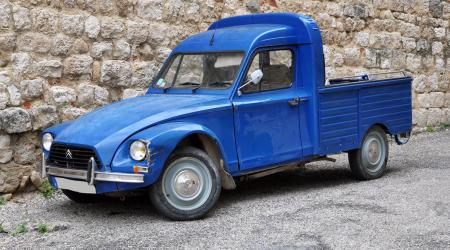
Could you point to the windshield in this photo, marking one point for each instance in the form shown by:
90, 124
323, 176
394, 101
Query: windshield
206, 71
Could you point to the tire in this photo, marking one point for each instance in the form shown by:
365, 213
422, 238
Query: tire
369, 162
193, 198
82, 198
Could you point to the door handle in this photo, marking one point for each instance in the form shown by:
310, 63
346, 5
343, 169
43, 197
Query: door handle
294, 101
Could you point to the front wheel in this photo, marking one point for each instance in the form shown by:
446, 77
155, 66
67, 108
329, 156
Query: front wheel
189, 186
369, 162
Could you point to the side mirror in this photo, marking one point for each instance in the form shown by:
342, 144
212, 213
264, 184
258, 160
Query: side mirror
255, 78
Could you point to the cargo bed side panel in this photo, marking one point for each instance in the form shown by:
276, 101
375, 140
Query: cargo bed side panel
346, 112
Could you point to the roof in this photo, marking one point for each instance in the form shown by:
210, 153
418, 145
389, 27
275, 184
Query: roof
242, 33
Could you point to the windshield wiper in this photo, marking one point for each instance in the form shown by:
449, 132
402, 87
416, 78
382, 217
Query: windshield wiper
195, 84
190, 83
166, 88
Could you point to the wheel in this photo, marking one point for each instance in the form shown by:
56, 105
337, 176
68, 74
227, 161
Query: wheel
82, 198
189, 186
369, 162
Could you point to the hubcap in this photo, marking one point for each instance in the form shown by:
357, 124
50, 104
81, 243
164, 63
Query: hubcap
373, 152
187, 183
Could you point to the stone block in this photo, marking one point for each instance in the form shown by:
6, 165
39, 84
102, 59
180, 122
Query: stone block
89, 94
122, 49
31, 89
413, 62
25, 154
5, 14
45, 20
420, 84
63, 95
111, 27
420, 117
151, 10
92, 27
61, 45
78, 65
352, 56
15, 98
72, 24
431, 100
22, 19
6, 155
137, 31
101, 50
79, 47
439, 32
130, 93
34, 42
362, 39
437, 48
7, 41
44, 116
143, 73
16, 120
116, 73
408, 43
4, 97
49, 68
5, 141
436, 116
72, 113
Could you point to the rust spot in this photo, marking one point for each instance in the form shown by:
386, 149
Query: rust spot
273, 3
53, 81
27, 105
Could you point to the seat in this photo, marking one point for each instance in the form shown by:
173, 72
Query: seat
276, 77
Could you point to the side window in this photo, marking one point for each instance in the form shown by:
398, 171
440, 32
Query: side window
276, 66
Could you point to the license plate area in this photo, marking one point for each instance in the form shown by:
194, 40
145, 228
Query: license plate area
76, 186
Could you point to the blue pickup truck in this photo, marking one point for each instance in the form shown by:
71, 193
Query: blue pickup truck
244, 99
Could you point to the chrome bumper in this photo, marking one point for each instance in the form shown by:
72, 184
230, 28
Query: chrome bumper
98, 176
90, 175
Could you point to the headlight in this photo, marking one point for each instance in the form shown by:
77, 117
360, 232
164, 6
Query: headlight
47, 140
138, 150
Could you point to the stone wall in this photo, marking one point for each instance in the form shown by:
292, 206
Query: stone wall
62, 58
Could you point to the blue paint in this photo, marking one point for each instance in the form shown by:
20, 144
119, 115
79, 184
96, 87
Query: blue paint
253, 131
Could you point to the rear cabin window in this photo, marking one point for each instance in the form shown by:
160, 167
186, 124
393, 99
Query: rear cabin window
276, 66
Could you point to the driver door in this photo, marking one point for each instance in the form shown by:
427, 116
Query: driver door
267, 127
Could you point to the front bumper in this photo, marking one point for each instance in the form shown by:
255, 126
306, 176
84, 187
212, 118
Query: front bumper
98, 176
90, 175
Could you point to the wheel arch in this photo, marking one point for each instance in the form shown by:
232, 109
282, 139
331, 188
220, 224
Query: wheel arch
210, 144
381, 125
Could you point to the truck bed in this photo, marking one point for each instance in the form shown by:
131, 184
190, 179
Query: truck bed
347, 110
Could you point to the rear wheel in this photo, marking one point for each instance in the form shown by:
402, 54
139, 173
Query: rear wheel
189, 186
369, 162
82, 198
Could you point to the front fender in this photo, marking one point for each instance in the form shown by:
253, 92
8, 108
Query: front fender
163, 139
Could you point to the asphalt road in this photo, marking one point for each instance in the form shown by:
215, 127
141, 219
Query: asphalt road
318, 207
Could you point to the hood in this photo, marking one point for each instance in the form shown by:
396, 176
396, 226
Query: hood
106, 128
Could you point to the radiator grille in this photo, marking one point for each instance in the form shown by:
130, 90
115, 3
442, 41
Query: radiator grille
79, 159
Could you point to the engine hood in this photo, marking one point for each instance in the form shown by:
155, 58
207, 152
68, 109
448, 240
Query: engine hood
106, 128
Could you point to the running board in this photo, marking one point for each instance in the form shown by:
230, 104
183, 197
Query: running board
278, 169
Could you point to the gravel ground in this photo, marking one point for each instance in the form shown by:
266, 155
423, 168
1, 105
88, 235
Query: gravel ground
317, 207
